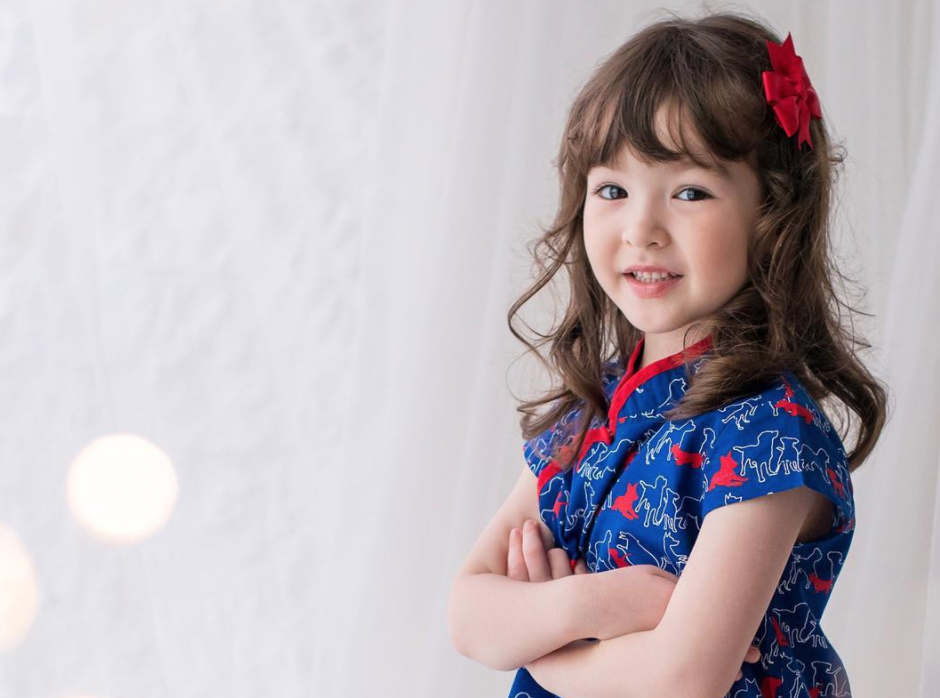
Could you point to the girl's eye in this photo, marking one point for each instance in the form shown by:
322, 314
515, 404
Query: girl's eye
704, 195
599, 189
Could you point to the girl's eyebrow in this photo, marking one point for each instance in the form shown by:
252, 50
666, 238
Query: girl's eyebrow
718, 168
684, 164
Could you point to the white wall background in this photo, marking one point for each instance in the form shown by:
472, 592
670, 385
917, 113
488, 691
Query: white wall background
279, 238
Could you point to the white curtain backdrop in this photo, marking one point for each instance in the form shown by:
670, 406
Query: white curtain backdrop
279, 239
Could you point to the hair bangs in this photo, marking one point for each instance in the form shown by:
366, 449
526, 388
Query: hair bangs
711, 114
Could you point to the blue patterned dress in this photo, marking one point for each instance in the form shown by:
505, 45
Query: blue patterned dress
642, 486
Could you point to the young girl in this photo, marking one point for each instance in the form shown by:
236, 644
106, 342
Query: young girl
701, 337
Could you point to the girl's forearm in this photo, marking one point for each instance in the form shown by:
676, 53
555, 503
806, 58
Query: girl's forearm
505, 623
619, 602
629, 666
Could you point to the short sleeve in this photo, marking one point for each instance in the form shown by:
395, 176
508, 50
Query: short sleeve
772, 444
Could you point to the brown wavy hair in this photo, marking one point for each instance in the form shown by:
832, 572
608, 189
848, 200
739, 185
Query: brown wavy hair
788, 315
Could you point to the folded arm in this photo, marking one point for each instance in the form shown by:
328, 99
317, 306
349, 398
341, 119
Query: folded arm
504, 622
711, 618
628, 666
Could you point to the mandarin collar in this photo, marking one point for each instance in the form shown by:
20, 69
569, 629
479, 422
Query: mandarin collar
633, 381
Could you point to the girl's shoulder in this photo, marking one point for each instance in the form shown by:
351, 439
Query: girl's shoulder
773, 440
785, 405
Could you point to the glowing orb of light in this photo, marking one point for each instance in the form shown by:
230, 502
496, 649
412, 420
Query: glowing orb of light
19, 594
122, 488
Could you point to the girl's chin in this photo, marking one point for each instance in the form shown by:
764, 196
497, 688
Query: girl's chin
653, 323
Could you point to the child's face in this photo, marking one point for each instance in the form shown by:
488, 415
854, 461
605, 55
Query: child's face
647, 215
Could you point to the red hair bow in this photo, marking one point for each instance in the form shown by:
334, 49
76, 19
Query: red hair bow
789, 92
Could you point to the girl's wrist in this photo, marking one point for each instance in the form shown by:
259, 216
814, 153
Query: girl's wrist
585, 606
617, 602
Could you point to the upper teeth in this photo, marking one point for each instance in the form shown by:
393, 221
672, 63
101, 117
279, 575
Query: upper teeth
652, 276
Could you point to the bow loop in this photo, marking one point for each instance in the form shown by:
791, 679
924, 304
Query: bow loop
788, 90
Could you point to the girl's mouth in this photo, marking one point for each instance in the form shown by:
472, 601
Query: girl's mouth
654, 286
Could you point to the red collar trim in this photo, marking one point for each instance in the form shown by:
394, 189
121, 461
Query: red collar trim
632, 378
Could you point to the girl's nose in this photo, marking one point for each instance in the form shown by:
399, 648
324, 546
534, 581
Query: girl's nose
644, 233
643, 225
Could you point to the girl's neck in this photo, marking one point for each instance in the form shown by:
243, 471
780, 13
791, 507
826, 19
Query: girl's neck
658, 346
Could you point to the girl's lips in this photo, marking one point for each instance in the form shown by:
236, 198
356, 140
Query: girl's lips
649, 268
652, 289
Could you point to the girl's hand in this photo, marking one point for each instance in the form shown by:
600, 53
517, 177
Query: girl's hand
752, 655
528, 561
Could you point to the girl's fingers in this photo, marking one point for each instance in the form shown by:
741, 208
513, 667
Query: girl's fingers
752, 654
533, 552
559, 562
528, 561
515, 562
